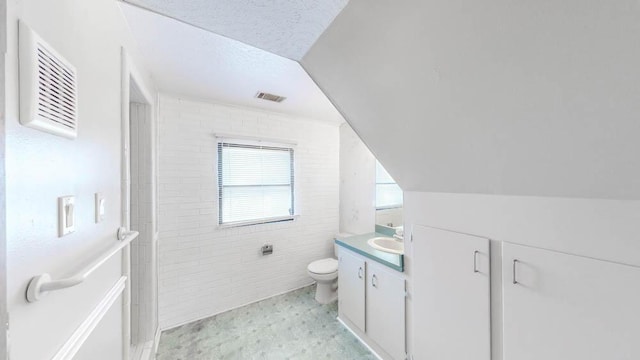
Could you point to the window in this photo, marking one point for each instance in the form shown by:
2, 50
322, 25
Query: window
255, 182
388, 193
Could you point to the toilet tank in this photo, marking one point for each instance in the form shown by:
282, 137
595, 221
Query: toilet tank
336, 246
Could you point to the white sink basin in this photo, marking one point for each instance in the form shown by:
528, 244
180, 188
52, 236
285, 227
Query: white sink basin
387, 244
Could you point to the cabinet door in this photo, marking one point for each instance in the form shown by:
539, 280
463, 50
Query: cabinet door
351, 282
386, 309
450, 295
564, 307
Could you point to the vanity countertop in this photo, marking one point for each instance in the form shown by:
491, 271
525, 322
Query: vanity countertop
358, 244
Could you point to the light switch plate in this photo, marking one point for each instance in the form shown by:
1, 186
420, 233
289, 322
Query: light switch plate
66, 215
100, 207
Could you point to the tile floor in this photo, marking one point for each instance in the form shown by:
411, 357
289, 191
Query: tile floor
289, 326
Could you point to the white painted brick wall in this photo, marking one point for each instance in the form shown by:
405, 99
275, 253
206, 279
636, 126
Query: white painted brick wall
205, 270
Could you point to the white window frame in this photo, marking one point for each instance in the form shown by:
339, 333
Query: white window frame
255, 142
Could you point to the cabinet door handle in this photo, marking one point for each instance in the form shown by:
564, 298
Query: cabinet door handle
515, 263
374, 281
475, 261
360, 273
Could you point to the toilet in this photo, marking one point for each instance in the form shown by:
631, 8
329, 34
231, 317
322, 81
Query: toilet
325, 273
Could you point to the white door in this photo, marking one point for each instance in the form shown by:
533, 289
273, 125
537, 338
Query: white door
386, 309
566, 307
351, 280
450, 295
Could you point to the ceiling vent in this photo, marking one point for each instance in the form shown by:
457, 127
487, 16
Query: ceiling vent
48, 87
270, 97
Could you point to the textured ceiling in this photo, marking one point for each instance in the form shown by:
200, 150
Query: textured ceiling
284, 27
195, 63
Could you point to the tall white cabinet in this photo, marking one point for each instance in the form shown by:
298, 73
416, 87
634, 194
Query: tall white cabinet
450, 296
565, 307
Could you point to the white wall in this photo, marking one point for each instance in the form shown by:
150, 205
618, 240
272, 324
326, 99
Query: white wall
602, 229
535, 98
3, 213
41, 167
104, 341
205, 270
357, 184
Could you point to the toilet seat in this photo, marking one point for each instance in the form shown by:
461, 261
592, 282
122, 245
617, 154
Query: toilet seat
323, 266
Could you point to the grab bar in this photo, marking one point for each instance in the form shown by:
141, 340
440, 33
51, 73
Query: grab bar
40, 285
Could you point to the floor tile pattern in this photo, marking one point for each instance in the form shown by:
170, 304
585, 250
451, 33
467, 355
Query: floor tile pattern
289, 326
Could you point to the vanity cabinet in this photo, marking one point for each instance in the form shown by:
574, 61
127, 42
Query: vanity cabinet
385, 305
351, 288
450, 295
559, 306
372, 303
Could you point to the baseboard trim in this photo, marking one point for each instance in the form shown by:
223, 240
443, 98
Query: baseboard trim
359, 339
146, 350
136, 352
143, 351
235, 307
156, 342
74, 343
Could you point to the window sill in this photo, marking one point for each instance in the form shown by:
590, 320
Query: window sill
257, 222
389, 207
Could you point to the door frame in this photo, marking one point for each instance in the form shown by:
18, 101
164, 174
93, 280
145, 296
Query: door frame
4, 315
130, 74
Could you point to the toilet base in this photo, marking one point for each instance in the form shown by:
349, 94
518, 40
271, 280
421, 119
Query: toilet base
326, 292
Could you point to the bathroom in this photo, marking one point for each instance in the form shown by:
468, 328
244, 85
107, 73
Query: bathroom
231, 198
217, 179
207, 268
251, 193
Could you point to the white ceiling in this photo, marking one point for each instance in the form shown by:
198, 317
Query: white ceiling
188, 61
501, 97
284, 27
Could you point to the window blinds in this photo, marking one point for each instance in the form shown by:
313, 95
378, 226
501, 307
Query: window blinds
255, 182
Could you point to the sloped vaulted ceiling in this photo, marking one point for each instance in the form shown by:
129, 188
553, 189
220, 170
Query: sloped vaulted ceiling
498, 96
187, 61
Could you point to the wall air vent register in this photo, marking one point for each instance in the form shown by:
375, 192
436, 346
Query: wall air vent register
48, 87
270, 97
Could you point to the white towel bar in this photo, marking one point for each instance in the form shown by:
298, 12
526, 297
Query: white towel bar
40, 285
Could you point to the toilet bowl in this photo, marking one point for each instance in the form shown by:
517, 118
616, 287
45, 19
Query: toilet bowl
325, 273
